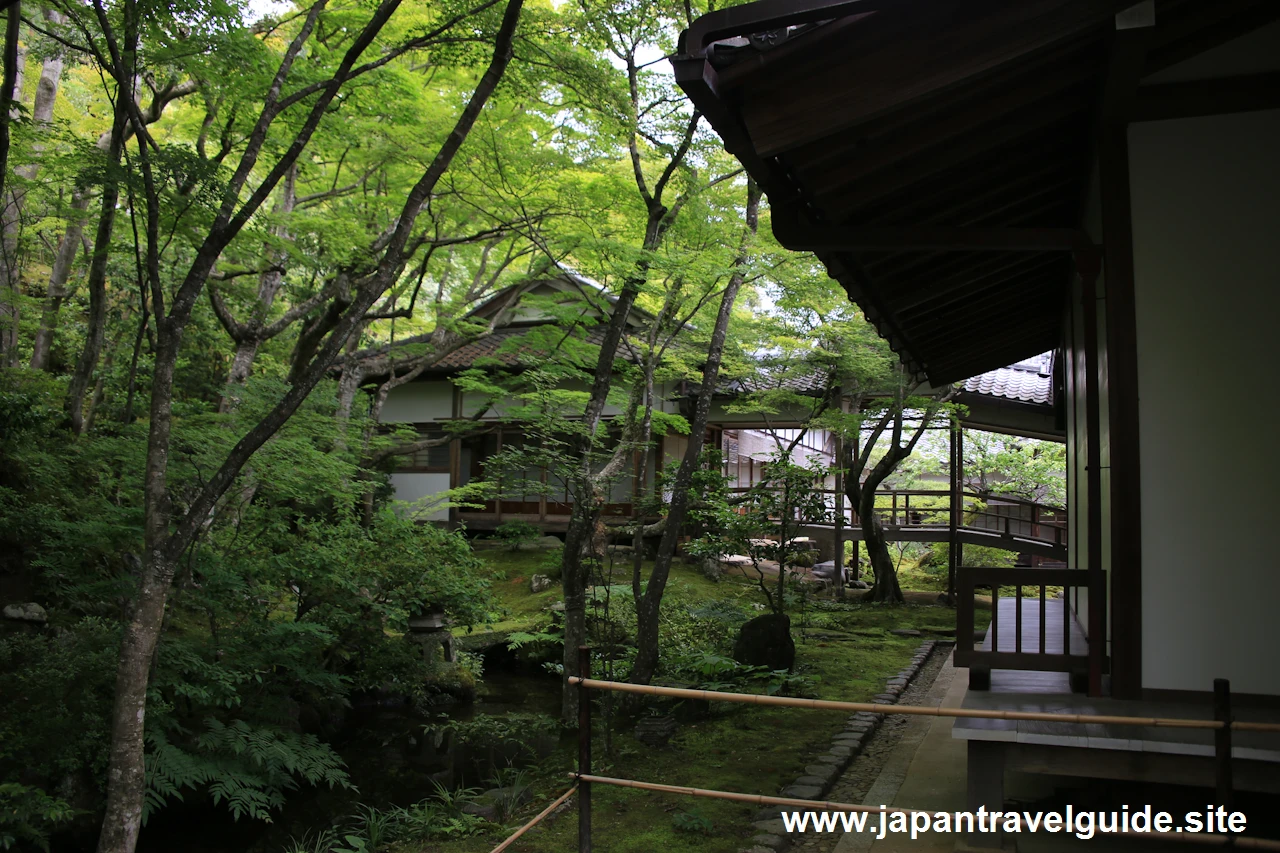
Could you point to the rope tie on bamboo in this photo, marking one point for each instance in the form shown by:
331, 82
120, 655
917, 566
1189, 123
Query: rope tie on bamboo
918, 710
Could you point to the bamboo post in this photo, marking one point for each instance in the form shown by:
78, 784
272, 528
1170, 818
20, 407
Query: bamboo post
584, 750
1222, 739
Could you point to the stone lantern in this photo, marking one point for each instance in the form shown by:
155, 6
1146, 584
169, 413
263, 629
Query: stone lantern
429, 628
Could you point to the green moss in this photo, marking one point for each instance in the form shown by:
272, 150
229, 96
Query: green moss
741, 748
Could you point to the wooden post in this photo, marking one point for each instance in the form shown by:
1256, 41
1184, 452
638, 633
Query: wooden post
1088, 265
584, 751
1222, 740
839, 520
953, 527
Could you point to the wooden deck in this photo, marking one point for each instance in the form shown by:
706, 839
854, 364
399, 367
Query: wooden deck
1147, 753
1023, 634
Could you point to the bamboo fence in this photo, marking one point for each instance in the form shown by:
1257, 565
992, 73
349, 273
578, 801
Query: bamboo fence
920, 710
537, 818
1236, 841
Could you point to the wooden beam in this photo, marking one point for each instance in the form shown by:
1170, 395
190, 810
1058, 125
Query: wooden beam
834, 238
1240, 94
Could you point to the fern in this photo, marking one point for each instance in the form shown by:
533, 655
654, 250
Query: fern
247, 768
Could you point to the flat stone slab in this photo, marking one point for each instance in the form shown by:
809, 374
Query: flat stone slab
811, 781
842, 751
825, 772
802, 792
770, 827
769, 841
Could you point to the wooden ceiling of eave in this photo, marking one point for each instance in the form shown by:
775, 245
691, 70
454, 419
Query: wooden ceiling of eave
903, 53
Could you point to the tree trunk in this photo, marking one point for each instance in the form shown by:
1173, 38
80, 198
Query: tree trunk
82, 377
10, 93
165, 543
56, 293
883, 572
126, 780
648, 607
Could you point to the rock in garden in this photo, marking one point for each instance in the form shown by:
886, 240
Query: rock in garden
29, 612
766, 641
539, 583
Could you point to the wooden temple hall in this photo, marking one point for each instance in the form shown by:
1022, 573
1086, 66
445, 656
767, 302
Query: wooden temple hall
991, 179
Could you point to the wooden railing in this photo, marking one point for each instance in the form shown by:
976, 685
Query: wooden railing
1008, 516
1030, 632
930, 509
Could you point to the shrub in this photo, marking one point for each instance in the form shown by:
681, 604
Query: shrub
514, 534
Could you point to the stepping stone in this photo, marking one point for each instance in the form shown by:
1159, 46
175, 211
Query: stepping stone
906, 632
770, 827
825, 772
769, 842
810, 781
801, 792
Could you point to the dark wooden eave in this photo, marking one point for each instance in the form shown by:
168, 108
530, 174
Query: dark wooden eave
936, 154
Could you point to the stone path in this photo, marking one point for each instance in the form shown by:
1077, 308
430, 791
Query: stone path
888, 753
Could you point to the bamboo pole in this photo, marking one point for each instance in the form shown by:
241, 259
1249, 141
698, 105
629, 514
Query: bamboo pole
918, 710
537, 818
822, 805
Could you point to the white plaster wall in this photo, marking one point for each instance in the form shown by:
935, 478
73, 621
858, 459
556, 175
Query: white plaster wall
412, 487
1206, 213
419, 402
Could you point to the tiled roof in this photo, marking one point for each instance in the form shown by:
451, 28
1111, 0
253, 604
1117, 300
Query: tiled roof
1028, 381
487, 349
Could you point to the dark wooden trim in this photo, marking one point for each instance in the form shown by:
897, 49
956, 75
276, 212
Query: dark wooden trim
1122, 398
1240, 94
1089, 265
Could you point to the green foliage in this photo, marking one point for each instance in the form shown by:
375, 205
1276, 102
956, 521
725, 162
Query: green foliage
249, 769
27, 815
693, 822
517, 533
519, 727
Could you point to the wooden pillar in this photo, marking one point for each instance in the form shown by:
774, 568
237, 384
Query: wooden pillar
1088, 267
839, 520
957, 503
1127, 60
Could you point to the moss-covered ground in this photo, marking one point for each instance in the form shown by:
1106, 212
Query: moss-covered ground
846, 647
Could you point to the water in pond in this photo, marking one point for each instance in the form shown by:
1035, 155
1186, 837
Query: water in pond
393, 756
